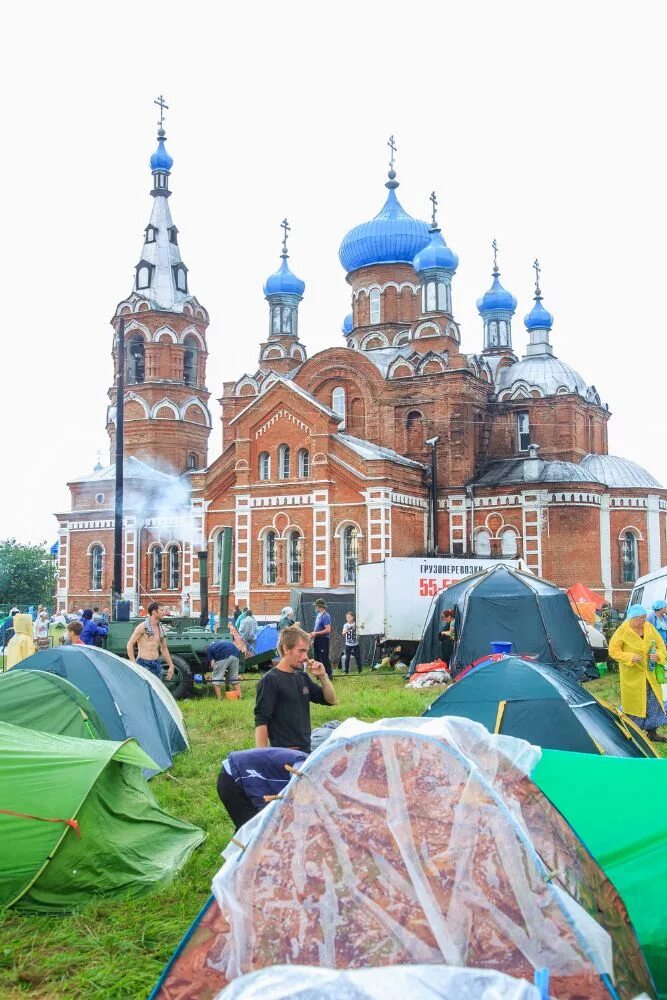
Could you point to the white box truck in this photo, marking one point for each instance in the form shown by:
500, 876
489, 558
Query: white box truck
394, 597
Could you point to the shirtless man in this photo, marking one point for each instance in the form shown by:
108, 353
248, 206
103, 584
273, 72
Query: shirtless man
150, 638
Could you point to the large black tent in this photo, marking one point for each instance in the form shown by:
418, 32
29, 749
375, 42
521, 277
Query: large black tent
526, 699
503, 604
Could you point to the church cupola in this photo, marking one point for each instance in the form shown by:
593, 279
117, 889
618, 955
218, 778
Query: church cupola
436, 265
539, 322
284, 291
161, 277
496, 307
391, 237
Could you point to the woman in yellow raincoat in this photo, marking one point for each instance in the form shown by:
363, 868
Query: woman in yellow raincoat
21, 643
638, 646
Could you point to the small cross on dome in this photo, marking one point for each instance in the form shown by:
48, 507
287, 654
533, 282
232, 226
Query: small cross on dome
392, 145
285, 226
434, 210
538, 269
163, 107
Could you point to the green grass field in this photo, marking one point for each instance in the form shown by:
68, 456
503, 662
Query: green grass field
118, 949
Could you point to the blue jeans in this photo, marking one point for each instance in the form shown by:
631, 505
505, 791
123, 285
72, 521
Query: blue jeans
155, 666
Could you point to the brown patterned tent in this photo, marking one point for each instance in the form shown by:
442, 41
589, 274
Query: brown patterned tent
414, 841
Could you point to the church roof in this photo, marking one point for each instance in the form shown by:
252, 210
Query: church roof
615, 471
544, 372
133, 468
513, 470
374, 452
279, 380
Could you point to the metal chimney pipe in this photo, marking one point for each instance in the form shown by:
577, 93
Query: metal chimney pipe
203, 587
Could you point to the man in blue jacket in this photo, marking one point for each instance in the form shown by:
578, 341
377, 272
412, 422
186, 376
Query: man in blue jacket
92, 631
248, 776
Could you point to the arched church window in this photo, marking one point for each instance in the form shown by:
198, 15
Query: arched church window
174, 567
192, 461
509, 546
156, 568
181, 279
294, 561
264, 465
431, 300
136, 360
283, 462
173, 234
96, 567
287, 320
374, 301
629, 570
350, 554
415, 431
483, 543
303, 460
502, 331
523, 429
338, 404
143, 277
443, 303
189, 367
270, 557
275, 319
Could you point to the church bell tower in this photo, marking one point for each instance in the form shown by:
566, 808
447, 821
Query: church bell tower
167, 420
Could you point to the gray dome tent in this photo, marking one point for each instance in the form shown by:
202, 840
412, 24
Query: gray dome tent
505, 605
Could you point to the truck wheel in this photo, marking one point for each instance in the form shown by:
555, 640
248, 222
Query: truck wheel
181, 683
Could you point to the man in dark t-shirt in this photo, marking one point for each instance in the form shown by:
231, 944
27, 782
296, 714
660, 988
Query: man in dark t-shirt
284, 694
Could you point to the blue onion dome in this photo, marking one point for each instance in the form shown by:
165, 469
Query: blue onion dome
391, 237
496, 299
538, 318
161, 160
348, 325
436, 254
284, 282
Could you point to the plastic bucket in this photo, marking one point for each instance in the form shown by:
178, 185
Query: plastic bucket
501, 647
232, 695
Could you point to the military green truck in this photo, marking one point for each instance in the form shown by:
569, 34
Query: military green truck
187, 644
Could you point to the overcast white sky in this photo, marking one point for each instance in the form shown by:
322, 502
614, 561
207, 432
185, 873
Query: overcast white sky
539, 124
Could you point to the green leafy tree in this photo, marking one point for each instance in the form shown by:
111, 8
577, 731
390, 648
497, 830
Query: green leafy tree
27, 574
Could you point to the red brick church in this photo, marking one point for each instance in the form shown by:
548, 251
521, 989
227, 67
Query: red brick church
327, 461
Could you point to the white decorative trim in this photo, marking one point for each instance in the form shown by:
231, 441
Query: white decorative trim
194, 401
246, 380
389, 284
283, 413
242, 529
192, 331
273, 351
572, 496
378, 517
605, 548
168, 330
635, 531
170, 406
133, 396
400, 363
321, 539
534, 516
404, 500
284, 500
427, 325
458, 521
374, 335
135, 327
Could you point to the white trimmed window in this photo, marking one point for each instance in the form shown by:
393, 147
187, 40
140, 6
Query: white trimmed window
338, 404
509, 544
294, 557
374, 303
349, 554
303, 462
283, 461
264, 465
629, 557
523, 429
270, 558
483, 543
174, 567
156, 568
96, 567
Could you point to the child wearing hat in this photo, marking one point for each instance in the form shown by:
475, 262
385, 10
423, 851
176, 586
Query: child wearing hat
658, 618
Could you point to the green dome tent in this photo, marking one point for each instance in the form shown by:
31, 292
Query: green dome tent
519, 697
38, 700
78, 821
